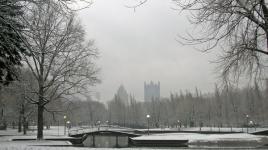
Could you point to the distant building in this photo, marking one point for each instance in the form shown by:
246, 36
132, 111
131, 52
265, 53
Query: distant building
151, 91
122, 94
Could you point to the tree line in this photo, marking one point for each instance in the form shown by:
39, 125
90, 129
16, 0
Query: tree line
222, 108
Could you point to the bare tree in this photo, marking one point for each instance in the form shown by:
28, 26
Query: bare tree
154, 109
15, 95
238, 27
135, 112
135, 4
117, 107
219, 106
61, 60
12, 44
234, 103
260, 103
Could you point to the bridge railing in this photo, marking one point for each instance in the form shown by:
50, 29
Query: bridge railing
86, 129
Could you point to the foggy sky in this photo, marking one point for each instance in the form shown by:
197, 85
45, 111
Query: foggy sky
140, 46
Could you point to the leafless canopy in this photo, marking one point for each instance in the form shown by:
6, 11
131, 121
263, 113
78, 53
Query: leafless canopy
66, 5
61, 60
60, 56
238, 27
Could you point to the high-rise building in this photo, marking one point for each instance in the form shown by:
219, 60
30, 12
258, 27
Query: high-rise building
151, 91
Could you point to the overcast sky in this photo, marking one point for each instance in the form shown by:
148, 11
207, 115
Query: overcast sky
140, 46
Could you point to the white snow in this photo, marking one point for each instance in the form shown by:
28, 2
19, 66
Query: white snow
53, 132
6, 137
86, 129
193, 137
58, 132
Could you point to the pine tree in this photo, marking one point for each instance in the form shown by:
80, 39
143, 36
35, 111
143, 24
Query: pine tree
11, 43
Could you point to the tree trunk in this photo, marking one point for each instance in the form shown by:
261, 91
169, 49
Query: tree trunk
40, 110
19, 124
40, 122
24, 125
22, 116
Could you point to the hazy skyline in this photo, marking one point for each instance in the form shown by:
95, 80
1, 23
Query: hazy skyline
140, 46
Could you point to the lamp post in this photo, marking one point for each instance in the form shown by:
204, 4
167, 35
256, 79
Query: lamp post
247, 117
107, 122
98, 125
179, 125
64, 117
148, 117
251, 124
58, 128
68, 126
33, 126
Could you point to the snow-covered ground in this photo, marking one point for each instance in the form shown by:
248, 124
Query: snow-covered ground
53, 132
212, 140
6, 137
195, 139
225, 129
215, 129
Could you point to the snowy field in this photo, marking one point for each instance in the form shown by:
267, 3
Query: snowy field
6, 137
196, 141
215, 129
193, 137
53, 132
239, 140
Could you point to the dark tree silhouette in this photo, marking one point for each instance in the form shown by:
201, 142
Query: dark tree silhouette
238, 27
61, 61
11, 43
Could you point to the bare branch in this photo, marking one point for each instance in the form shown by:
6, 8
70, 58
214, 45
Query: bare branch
239, 28
135, 6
